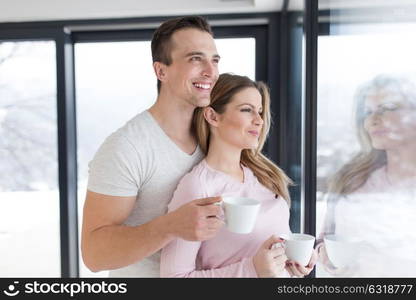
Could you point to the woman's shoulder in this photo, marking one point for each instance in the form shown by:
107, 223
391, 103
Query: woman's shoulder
195, 176
190, 187
376, 182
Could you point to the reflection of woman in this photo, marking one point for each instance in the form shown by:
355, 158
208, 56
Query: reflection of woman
232, 132
372, 198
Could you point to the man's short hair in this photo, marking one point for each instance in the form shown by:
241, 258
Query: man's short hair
161, 40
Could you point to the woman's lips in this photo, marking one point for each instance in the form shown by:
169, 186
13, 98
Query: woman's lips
253, 132
379, 132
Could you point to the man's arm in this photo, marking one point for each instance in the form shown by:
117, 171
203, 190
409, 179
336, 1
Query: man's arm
107, 244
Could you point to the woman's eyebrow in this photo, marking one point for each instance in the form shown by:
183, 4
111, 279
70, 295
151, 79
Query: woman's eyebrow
249, 104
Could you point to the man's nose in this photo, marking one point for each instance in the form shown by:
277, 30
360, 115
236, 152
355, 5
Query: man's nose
210, 69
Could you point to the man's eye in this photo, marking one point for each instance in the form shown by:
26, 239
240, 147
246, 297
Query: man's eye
195, 58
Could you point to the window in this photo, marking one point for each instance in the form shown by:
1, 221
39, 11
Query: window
29, 198
366, 124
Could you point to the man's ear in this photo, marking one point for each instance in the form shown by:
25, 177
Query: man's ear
160, 70
211, 116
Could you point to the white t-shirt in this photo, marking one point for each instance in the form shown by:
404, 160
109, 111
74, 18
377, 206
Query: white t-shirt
140, 160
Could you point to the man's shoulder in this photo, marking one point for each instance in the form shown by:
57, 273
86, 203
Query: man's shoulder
137, 132
130, 139
137, 127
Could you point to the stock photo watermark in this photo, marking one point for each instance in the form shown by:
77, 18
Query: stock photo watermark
71, 289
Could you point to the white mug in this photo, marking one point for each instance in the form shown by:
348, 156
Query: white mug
298, 247
240, 213
341, 250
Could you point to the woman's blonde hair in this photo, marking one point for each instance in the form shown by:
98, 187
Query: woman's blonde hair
356, 172
268, 174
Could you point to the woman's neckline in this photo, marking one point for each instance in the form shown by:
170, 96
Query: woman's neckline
243, 168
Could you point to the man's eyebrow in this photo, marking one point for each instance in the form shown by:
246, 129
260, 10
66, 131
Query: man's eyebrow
192, 53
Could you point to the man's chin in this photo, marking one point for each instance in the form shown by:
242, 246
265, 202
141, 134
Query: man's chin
203, 102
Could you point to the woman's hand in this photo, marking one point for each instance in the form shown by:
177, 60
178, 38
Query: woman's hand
329, 267
270, 262
296, 270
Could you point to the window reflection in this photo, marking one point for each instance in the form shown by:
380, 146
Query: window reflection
366, 171
371, 198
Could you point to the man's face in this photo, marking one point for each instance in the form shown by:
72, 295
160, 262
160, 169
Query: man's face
194, 68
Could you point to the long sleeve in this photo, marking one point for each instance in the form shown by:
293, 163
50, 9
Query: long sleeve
179, 258
328, 226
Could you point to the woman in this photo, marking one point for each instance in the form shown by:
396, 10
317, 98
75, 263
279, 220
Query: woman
231, 132
371, 199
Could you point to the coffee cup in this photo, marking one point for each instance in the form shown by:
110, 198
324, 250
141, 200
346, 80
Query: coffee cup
240, 213
341, 250
298, 247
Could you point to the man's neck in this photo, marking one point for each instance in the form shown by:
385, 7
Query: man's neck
175, 118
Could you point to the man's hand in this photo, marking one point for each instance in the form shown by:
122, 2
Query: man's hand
197, 220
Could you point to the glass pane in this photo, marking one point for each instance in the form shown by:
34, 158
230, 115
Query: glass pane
366, 170
242, 64
29, 198
114, 82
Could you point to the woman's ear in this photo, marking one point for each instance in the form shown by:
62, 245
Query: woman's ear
160, 71
211, 116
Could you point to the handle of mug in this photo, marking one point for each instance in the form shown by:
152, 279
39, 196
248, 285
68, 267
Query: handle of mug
221, 203
280, 244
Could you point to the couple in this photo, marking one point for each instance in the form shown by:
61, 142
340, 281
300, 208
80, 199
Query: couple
140, 170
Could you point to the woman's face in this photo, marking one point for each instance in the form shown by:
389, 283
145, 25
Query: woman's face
389, 120
241, 122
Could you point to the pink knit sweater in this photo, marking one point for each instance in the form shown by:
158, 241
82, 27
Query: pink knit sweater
227, 254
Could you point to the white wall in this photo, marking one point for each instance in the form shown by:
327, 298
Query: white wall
46, 10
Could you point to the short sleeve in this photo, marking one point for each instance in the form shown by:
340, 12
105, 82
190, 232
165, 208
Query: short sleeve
116, 168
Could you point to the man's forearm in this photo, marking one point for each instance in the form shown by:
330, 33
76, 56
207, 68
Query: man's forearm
116, 246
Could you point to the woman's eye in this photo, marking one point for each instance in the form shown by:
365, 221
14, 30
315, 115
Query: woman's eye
246, 110
389, 106
367, 113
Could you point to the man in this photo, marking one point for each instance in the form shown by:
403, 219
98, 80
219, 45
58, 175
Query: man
135, 172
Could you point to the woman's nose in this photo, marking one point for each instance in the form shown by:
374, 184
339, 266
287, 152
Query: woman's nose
258, 120
374, 118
